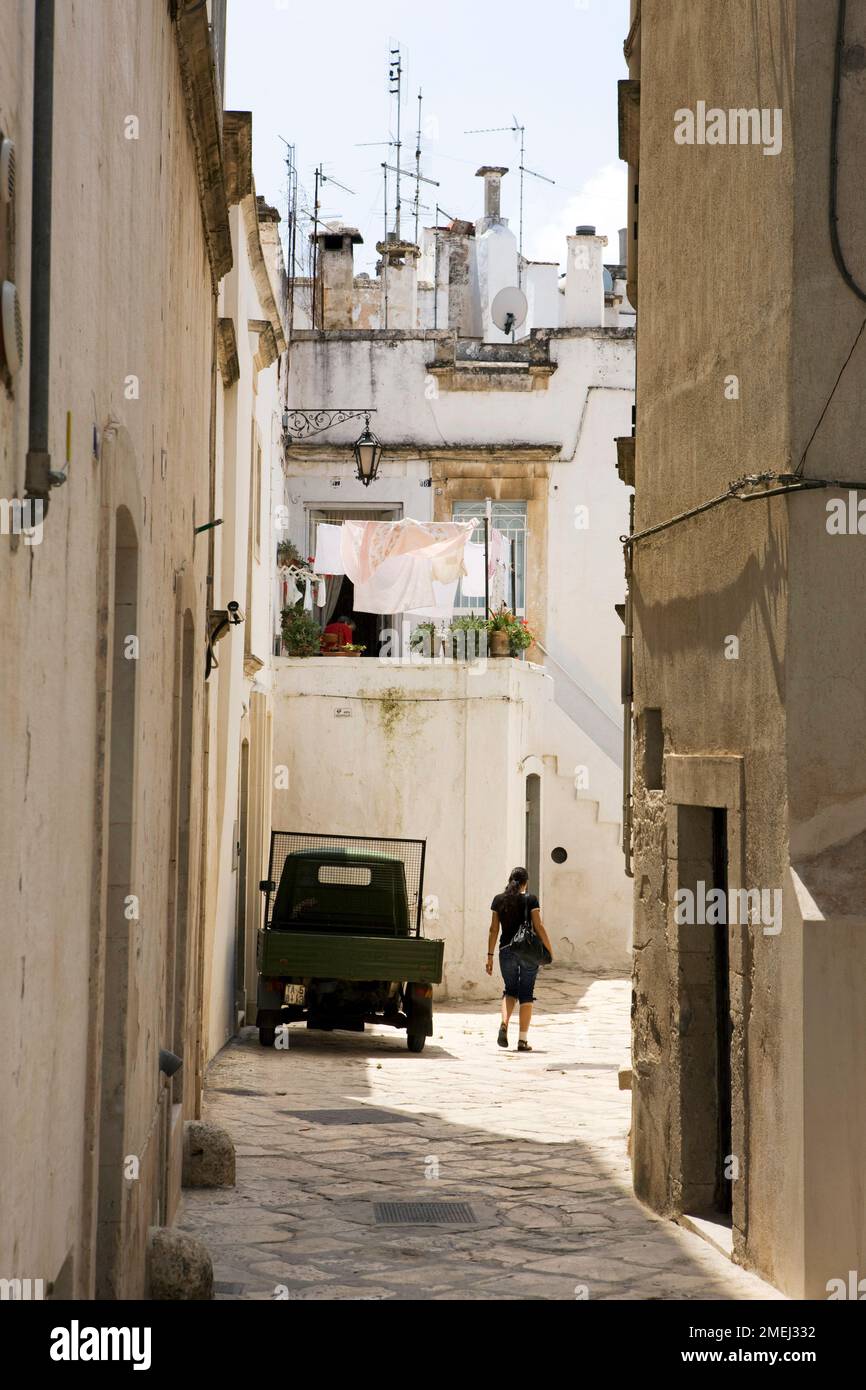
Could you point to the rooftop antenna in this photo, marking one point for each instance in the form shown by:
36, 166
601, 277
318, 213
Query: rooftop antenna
418, 167
292, 225
396, 77
517, 130
395, 87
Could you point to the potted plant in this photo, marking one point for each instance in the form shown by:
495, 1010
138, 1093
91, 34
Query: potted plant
499, 627
302, 635
288, 554
425, 639
468, 637
509, 635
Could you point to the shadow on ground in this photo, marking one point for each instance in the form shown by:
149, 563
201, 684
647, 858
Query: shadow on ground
534, 1143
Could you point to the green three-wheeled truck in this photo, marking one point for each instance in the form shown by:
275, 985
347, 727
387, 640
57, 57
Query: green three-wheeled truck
341, 944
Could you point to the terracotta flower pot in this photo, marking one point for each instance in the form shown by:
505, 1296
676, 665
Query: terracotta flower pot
500, 643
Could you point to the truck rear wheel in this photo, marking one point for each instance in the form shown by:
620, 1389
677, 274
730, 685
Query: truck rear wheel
267, 1035
415, 1041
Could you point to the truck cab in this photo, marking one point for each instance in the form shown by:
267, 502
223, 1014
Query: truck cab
341, 944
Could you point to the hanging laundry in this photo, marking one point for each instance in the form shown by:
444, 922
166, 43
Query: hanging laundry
443, 603
394, 564
473, 583
329, 559
291, 592
321, 593
500, 571
308, 595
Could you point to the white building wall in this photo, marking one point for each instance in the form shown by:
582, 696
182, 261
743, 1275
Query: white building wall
440, 751
585, 406
243, 571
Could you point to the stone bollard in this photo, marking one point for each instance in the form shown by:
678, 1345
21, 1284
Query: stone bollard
179, 1267
208, 1156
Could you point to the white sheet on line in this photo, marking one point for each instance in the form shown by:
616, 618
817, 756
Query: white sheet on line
329, 559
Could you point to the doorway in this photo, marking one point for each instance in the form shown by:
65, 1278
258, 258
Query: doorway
369, 627
533, 832
241, 906
704, 1015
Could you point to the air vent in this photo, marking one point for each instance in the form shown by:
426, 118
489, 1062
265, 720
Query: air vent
12, 335
7, 170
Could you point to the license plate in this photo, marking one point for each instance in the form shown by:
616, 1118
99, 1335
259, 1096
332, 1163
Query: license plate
295, 994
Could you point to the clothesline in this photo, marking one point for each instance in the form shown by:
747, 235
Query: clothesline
412, 567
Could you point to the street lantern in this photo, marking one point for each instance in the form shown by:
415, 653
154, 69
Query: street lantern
367, 451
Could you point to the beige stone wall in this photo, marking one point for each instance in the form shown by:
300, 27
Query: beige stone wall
131, 296
736, 276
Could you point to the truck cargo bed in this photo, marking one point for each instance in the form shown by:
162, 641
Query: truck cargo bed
310, 955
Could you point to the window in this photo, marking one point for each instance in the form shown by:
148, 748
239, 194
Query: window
356, 875
510, 519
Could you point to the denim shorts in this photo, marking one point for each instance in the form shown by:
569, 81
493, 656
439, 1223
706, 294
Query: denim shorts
519, 979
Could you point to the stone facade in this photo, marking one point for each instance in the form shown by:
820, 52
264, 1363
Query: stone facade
749, 1042
113, 943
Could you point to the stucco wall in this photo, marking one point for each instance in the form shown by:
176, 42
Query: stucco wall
238, 801
131, 290
736, 277
441, 751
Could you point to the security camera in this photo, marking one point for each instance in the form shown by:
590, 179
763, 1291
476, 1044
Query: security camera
234, 612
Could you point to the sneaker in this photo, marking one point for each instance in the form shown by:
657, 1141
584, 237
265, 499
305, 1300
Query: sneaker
503, 1036
523, 1046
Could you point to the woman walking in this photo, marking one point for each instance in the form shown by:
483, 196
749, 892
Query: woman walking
509, 911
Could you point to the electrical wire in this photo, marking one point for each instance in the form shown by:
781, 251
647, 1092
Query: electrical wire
788, 482
799, 469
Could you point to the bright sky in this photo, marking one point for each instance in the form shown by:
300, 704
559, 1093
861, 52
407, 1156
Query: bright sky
317, 75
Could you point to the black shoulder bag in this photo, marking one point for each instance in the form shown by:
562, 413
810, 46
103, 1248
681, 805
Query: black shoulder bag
527, 945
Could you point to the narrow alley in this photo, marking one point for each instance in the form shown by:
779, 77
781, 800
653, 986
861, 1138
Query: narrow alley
337, 1126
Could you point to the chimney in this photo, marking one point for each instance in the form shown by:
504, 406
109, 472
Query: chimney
492, 176
398, 271
335, 275
623, 245
584, 279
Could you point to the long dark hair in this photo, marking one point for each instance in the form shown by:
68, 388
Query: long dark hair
516, 880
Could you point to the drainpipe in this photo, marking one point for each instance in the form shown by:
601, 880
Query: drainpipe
39, 477
627, 680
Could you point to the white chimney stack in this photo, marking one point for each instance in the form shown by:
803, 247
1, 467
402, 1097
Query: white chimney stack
495, 252
584, 279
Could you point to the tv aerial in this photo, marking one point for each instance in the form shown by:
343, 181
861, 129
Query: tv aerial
509, 309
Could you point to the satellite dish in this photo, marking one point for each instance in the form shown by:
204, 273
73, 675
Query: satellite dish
509, 309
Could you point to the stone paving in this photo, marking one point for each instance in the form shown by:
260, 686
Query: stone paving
535, 1142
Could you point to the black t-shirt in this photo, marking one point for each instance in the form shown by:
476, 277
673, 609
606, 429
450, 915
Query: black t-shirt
513, 910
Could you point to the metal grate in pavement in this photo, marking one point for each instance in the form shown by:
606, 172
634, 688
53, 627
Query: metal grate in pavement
356, 1116
584, 1066
424, 1214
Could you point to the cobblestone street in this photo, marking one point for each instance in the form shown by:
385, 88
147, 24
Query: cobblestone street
534, 1143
